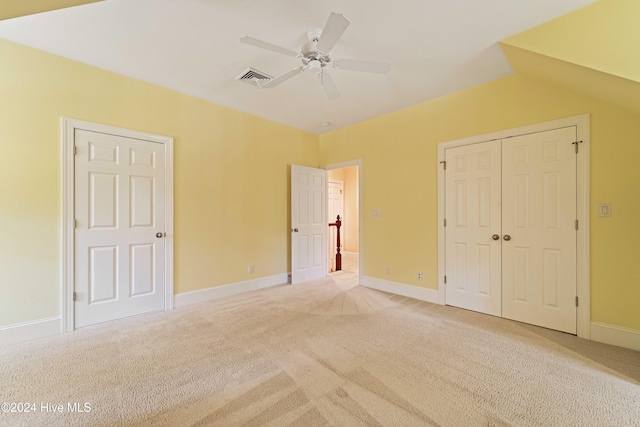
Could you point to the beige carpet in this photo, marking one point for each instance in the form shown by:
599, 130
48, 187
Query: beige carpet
327, 352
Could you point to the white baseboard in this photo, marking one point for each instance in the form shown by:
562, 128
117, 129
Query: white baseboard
422, 294
187, 298
615, 335
27, 331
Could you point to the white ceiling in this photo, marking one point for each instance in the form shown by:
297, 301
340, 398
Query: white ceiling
435, 47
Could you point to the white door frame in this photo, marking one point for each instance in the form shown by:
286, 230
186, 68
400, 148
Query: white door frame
348, 164
69, 127
581, 123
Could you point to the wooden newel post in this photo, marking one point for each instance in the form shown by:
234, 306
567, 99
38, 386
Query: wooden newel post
337, 224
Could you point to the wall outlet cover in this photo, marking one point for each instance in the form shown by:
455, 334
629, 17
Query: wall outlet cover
604, 209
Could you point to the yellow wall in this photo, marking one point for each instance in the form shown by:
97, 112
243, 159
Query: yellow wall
336, 175
231, 177
15, 8
399, 153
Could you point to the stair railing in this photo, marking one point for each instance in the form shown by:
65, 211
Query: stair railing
337, 224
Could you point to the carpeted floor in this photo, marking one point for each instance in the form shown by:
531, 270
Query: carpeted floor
326, 352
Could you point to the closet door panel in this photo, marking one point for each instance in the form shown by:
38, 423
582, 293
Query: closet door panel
473, 258
538, 225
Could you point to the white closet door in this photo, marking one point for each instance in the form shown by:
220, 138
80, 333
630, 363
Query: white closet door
538, 225
473, 255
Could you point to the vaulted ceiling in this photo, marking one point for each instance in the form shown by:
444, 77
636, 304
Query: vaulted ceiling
434, 48
593, 51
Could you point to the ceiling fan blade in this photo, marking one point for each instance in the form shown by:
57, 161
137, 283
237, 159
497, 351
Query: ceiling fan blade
329, 87
265, 45
367, 66
333, 29
283, 77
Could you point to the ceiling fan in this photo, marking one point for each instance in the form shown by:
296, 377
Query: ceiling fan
315, 55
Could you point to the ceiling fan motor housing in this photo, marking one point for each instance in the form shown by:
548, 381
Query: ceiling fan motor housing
311, 53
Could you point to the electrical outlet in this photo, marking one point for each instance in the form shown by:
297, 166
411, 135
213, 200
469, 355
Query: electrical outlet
388, 270
250, 269
419, 275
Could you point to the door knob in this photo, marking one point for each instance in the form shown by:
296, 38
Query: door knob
295, 230
507, 237
496, 237
159, 235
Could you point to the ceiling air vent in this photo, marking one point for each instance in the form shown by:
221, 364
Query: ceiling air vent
254, 77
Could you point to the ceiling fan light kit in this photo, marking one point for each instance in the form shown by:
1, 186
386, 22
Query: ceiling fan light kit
315, 65
315, 55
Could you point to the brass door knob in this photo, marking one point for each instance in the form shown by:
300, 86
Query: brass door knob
496, 237
507, 237
159, 235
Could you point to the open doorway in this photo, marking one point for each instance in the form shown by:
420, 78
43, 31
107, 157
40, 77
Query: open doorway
344, 201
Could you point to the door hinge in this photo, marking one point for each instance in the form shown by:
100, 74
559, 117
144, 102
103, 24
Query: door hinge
576, 224
75, 150
577, 143
445, 222
75, 296
444, 164
75, 223
445, 279
576, 301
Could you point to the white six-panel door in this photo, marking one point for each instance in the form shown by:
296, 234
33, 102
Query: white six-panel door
473, 256
539, 214
520, 191
120, 225
309, 226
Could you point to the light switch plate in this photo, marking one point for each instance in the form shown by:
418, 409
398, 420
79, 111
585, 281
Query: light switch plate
604, 209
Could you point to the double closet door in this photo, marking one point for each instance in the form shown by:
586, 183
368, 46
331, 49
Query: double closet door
511, 228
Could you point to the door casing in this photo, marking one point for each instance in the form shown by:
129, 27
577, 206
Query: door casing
581, 122
69, 127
